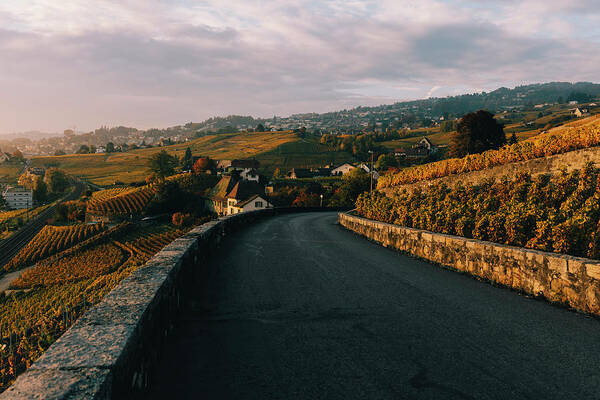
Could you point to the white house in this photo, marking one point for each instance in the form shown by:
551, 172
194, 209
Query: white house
100, 149
342, 169
18, 197
249, 174
256, 202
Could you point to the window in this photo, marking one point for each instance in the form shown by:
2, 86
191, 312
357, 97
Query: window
258, 204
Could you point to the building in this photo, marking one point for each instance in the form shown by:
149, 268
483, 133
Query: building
218, 194
255, 202
18, 197
241, 192
581, 112
100, 149
250, 174
342, 169
422, 149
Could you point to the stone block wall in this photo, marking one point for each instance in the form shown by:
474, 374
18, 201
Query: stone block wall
111, 350
559, 278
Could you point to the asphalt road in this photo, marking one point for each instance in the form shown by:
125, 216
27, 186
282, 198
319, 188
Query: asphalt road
295, 307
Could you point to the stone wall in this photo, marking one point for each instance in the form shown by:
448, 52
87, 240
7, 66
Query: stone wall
559, 278
552, 164
110, 351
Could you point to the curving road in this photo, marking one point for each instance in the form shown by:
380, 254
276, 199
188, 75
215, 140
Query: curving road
295, 307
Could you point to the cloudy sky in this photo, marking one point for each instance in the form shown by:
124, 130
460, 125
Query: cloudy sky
156, 63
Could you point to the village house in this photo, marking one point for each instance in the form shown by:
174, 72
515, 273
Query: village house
581, 112
18, 197
256, 202
422, 149
342, 169
250, 174
231, 192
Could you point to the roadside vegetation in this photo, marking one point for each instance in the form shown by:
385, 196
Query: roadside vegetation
559, 213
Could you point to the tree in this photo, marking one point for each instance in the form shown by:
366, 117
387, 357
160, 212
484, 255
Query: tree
187, 160
355, 182
385, 161
513, 139
18, 155
56, 180
477, 132
83, 149
162, 164
40, 190
259, 128
110, 147
202, 165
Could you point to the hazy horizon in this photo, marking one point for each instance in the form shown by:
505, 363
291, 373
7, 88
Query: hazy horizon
160, 63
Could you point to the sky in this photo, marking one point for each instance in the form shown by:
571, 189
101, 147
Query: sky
156, 63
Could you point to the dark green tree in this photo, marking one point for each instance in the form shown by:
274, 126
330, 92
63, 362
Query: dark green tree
187, 160
513, 139
477, 132
162, 164
56, 180
83, 149
110, 147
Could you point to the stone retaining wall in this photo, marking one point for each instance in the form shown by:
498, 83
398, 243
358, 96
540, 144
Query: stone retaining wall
111, 349
545, 165
559, 278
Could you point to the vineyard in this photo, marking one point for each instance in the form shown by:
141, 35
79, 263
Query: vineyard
106, 194
51, 240
64, 286
559, 213
131, 201
543, 145
87, 264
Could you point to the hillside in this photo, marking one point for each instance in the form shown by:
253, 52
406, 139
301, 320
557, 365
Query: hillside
577, 135
127, 167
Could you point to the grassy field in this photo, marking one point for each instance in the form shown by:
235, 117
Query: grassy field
303, 153
106, 169
9, 172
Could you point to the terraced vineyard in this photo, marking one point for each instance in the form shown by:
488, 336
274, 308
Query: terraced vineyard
51, 240
132, 201
563, 140
61, 287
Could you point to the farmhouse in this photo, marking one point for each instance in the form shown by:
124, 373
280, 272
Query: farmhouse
422, 149
241, 192
255, 202
342, 169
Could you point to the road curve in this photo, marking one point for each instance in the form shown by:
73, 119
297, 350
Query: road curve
295, 307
